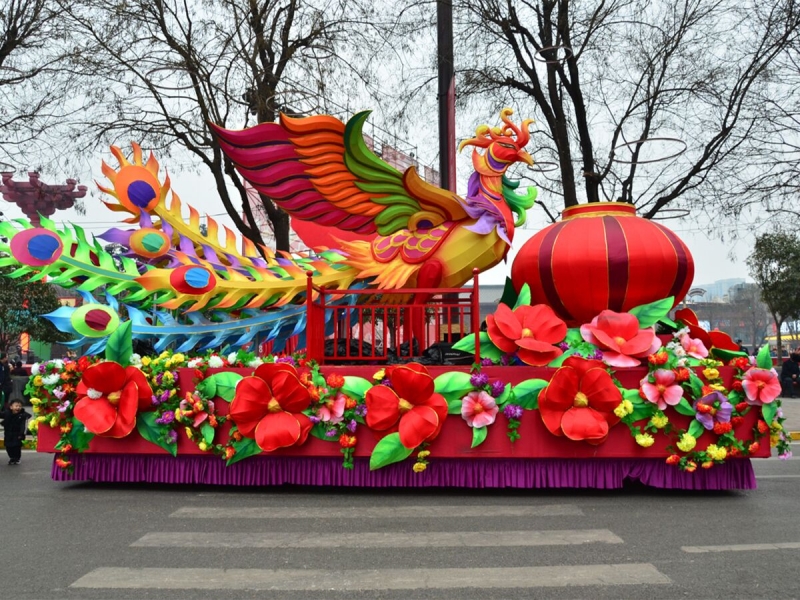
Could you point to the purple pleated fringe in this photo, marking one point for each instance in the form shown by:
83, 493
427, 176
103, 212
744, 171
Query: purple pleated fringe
463, 473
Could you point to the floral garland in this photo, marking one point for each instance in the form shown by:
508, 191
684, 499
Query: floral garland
280, 401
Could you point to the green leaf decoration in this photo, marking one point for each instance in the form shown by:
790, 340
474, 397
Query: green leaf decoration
119, 346
488, 349
389, 450
479, 436
505, 397
208, 433
207, 388
696, 429
763, 359
526, 394
643, 410
77, 437
225, 384
356, 387
559, 360
454, 406
652, 313
769, 411
632, 396
684, 408
669, 322
509, 297
245, 448
697, 385
524, 298
453, 386
318, 431
726, 355
154, 432
574, 336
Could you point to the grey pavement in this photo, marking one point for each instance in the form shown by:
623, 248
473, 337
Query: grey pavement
98, 541
791, 410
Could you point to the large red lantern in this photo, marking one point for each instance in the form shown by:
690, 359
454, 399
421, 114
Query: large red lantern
599, 256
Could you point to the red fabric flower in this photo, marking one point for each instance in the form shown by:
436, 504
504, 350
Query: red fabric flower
579, 401
716, 338
411, 401
268, 407
620, 339
111, 395
530, 331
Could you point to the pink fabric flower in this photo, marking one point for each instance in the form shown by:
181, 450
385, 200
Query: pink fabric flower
332, 410
761, 386
478, 409
664, 391
620, 339
693, 347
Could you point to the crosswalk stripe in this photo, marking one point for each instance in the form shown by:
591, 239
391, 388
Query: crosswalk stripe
426, 539
742, 547
376, 512
373, 579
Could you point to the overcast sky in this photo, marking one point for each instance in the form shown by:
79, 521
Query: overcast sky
712, 261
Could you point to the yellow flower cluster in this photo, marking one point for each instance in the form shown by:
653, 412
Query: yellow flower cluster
687, 443
659, 420
176, 359
419, 467
624, 409
710, 373
424, 454
716, 453
146, 360
645, 440
718, 387
379, 375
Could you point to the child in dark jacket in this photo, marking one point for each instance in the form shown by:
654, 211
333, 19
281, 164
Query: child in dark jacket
14, 426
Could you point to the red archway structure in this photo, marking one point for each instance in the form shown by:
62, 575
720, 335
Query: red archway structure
36, 198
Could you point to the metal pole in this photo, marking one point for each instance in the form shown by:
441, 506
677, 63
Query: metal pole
446, 95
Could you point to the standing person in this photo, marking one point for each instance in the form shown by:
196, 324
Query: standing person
14, 424
19, 370
790, 372
6, 383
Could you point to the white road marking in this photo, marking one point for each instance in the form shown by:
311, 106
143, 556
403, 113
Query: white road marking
376, 512
742, 547
426, 539
373, 579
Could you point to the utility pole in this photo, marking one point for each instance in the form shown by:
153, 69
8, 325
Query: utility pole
446, 95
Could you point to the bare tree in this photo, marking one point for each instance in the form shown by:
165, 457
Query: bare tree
751, 314
608, 78
773, 266
33, 46
160, 71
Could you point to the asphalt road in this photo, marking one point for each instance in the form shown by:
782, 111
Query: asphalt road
80, 540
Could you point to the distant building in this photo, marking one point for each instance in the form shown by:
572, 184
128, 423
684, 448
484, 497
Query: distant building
719, 291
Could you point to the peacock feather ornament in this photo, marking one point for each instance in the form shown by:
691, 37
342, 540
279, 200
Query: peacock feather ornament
190, 290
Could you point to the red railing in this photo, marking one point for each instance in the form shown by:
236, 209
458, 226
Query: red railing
384, 323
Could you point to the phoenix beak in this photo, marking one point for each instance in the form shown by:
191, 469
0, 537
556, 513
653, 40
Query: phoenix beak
525, 157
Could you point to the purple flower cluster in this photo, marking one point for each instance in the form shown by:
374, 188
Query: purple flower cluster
314, 419
564, 346
498, 387
513, 411
330, 433
351, 426
387, 382
159, 378
173, 435
479, 380
166, 418
285, 359
361, 410
157, 400
486, 362
504, 360
596, 355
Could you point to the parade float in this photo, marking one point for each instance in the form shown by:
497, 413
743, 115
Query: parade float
583, 376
